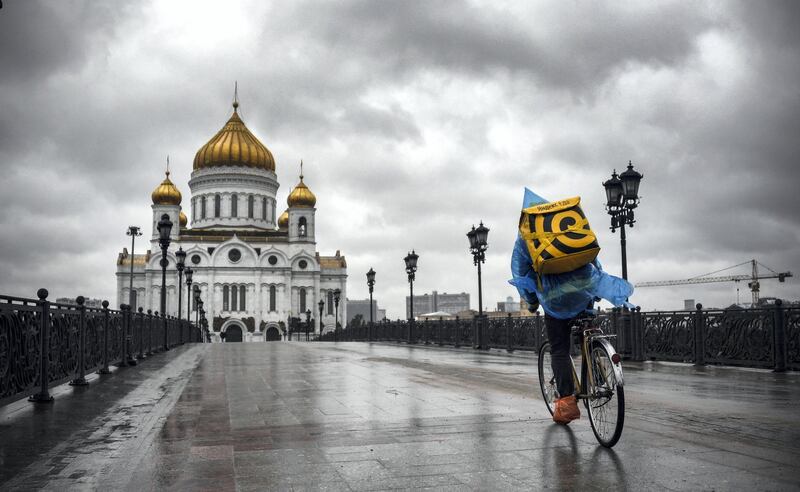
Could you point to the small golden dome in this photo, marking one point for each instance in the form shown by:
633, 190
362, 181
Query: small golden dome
234, 145
301, 196
183, 220
283, 220
166, 193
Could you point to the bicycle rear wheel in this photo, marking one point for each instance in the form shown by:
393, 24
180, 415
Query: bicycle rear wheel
547, 378
606, 401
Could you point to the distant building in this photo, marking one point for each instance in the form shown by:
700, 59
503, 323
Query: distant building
430, 303
509, 306
90, 303
688, 305
358, 306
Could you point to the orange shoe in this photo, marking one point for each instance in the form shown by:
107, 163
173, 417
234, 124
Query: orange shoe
566, 410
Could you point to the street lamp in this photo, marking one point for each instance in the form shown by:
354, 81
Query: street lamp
411, 269
308, 322
179, 265
336, 296
371, 284
622, 196
189, 274
164, 229
478, 246
133, 232
321, 305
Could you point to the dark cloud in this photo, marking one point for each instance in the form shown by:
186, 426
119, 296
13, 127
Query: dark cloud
415, 120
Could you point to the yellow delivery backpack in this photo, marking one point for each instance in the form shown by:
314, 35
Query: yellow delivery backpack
558, 236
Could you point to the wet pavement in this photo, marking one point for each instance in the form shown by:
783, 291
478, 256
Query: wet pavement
355, 416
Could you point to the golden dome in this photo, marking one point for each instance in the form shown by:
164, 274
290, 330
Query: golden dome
166, 193
301, 196
234, 145
283, 220
183, 220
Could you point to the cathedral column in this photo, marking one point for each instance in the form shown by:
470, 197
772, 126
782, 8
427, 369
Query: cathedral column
259, 301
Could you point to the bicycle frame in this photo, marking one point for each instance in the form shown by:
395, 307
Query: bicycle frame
590, 335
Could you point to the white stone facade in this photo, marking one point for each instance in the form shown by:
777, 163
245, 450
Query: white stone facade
252, 275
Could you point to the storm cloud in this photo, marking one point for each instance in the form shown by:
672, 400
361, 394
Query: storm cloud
415, 120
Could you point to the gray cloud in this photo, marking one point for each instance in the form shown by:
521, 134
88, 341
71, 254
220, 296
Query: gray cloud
415, 120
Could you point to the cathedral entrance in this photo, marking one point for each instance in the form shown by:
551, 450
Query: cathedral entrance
233, 334
273, 335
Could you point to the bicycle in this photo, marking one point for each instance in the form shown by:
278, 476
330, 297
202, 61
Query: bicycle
600, 385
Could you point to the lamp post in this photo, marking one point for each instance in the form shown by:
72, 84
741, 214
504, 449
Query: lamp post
179, 265
308, 322
411, 269
371, 284
189, 274
622, 196
321, 305
336, 296
164, 229
478, 246
133, 232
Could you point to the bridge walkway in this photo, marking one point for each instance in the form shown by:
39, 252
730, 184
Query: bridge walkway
358, 416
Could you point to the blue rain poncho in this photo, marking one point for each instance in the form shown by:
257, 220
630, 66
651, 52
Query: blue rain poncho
563, 295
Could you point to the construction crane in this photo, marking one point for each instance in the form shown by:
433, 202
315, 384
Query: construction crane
753, 278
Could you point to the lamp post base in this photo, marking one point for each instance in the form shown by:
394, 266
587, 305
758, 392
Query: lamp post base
41, 398
79, 382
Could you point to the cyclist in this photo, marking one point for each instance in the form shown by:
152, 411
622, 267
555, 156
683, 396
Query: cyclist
563, 297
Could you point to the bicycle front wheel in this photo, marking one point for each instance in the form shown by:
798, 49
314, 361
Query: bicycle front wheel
547, 378
606, 399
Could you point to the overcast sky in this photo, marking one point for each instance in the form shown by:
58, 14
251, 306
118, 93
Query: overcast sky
415, 121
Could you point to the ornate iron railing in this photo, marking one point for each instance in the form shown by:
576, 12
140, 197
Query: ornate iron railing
44, 344
766, 337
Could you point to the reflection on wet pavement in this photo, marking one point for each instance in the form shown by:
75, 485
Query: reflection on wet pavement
353, 416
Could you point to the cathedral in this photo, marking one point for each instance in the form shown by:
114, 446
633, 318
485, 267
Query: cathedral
254, 273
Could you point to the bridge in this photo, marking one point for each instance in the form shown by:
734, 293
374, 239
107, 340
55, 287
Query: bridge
379, 415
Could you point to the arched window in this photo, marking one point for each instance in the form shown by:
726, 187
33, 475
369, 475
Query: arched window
195, 295
134, 300
225, 303
330, 302
194, 209
272, 298
251, 202
264, 208
302, 226
242, 297
234, 205
202, 207
302, 300
234, 298
216, 205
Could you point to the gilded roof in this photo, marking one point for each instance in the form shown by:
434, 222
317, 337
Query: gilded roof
184, 221
234, 145
283, 220
301, 196
166, 193
124, 258
332, 262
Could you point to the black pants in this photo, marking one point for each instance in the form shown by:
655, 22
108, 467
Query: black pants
558, 332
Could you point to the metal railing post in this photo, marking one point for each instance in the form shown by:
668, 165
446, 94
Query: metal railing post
105, 369
509, 344
699, 337
457, 343
140, 317
779, 337
638, 335
80, 371
43, 396
149, 332
129, 339
123, 342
